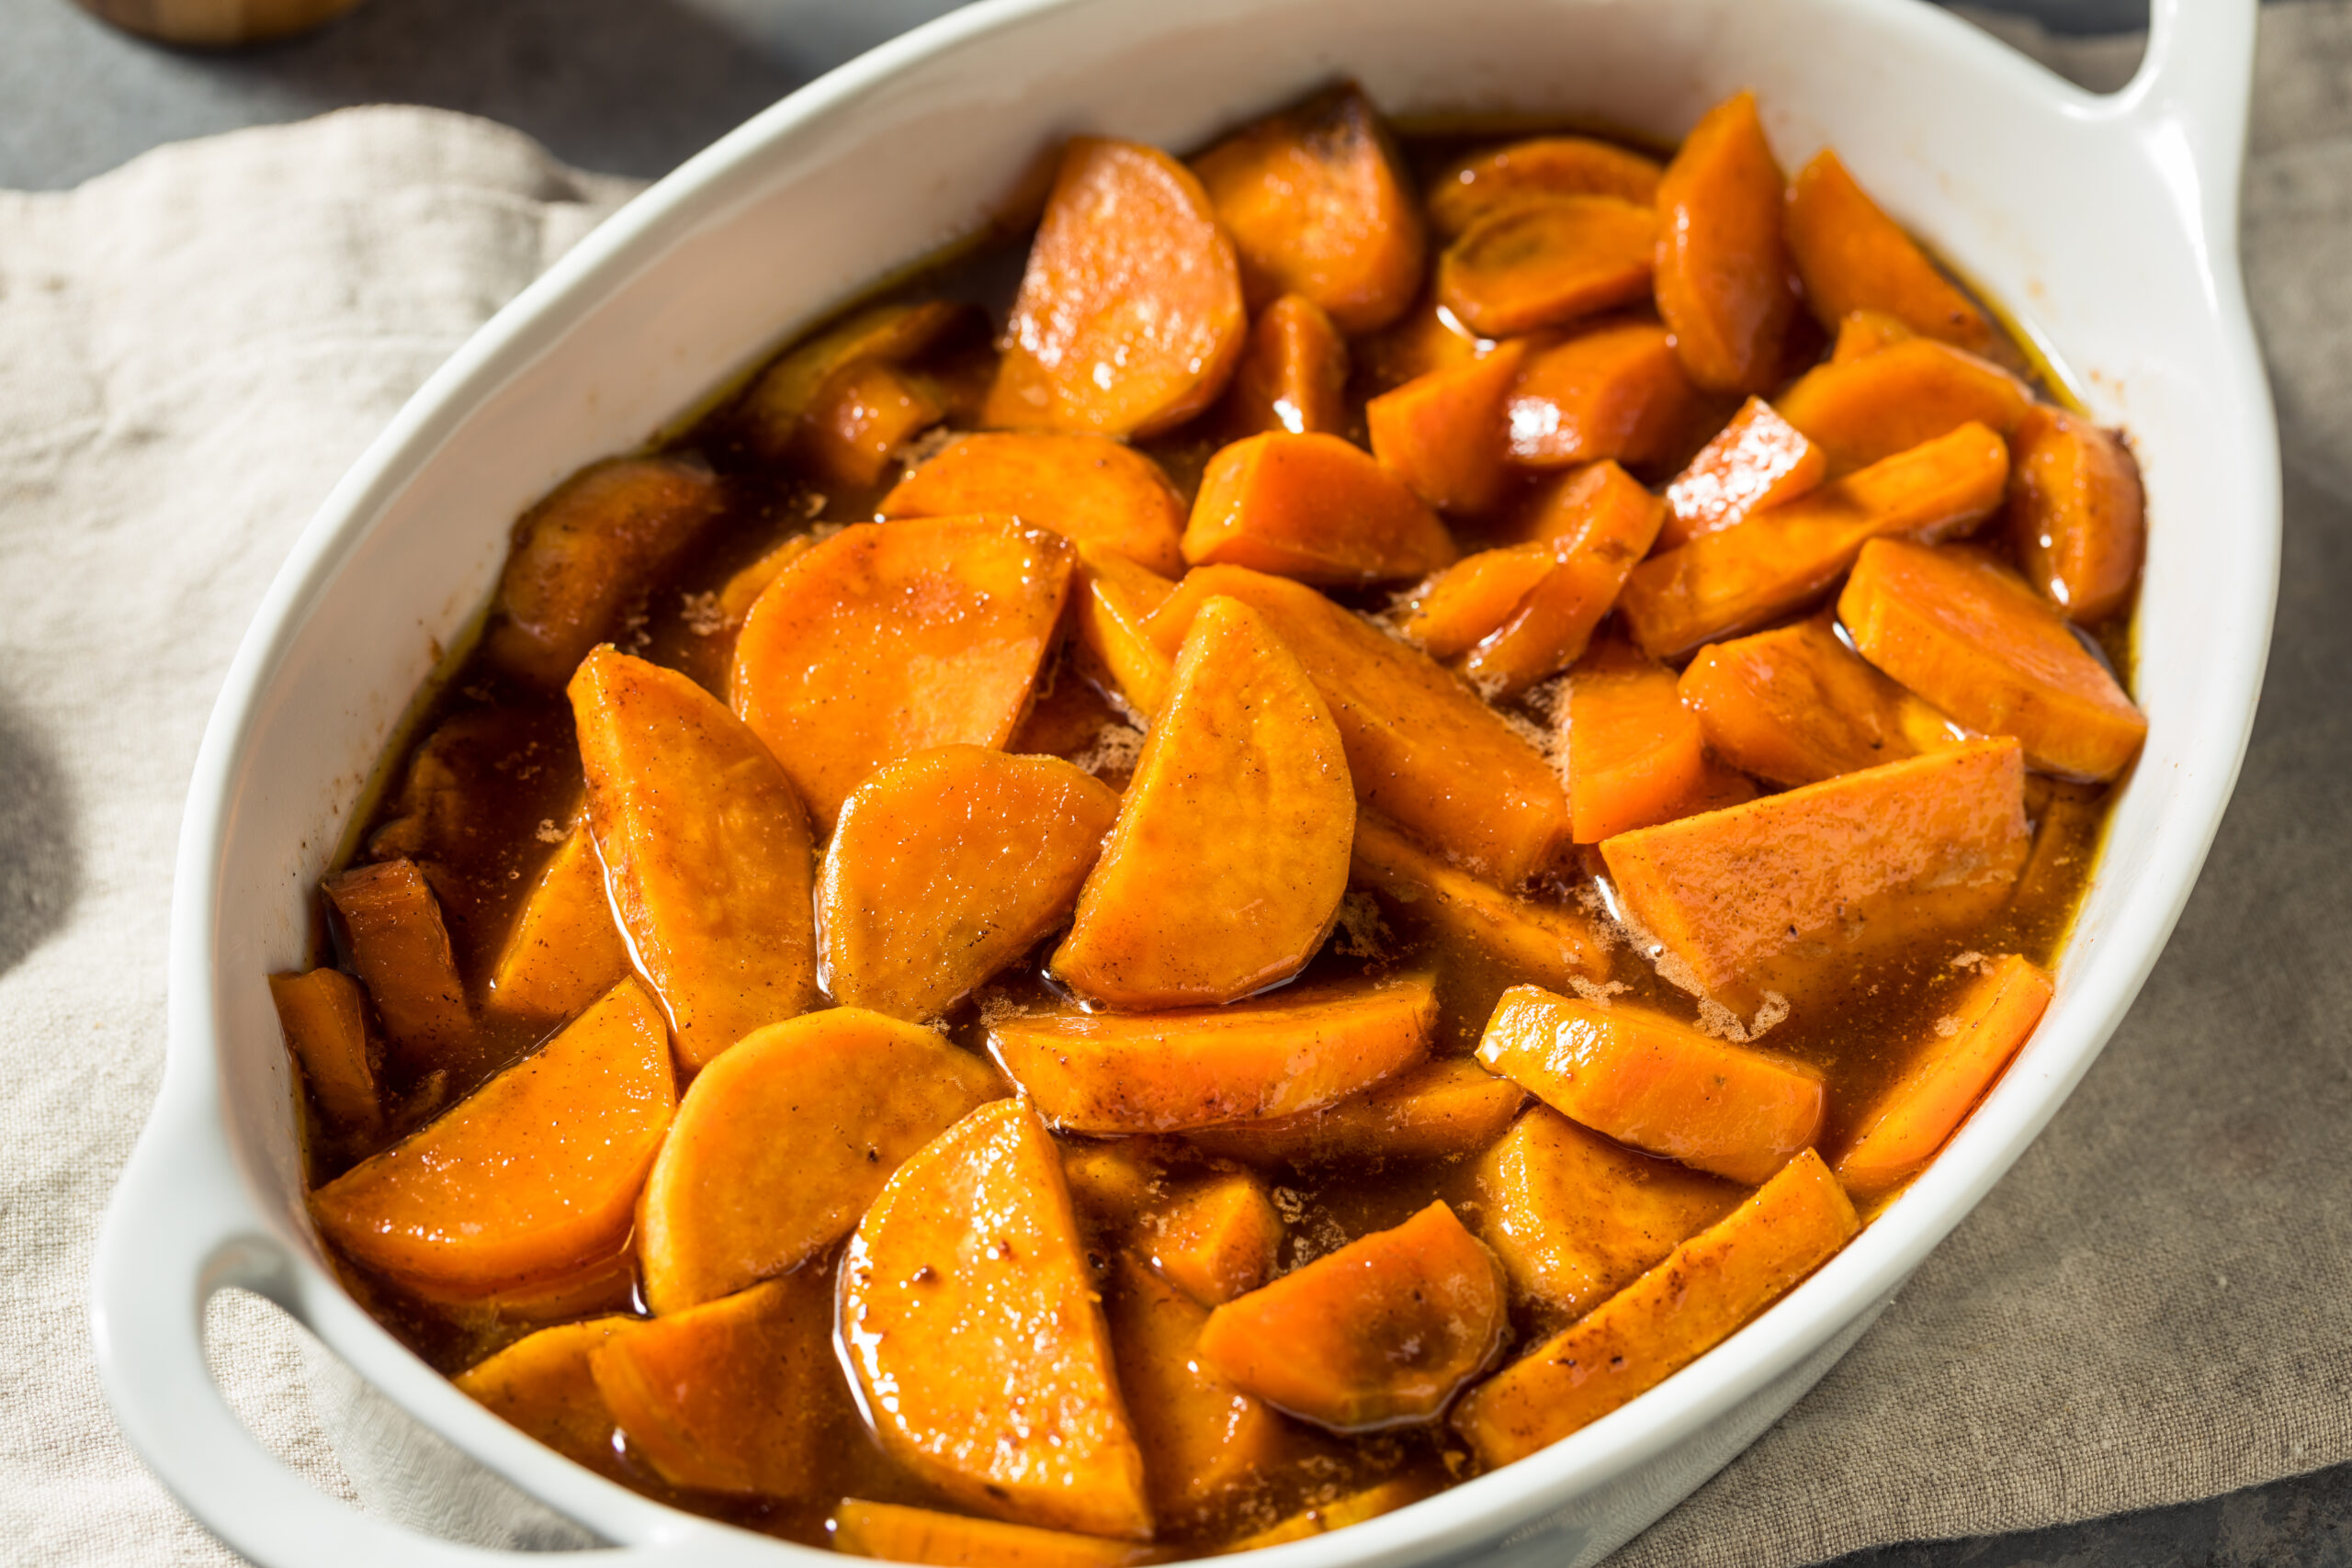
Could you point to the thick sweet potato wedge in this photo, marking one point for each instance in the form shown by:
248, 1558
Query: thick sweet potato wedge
1315, 508
780, 1145
773, 411
1863, 333
1722, 265
1795, 705
1576, 1217
542, 1384
706, 852
2076, 514
1453, 610
1354, 1510
1637, 755
529, 1178
1202, 1440
1443, 434
1385, 1329
1218, 1240
1317, 206
1535, 169
1616, 522
1851, 256
1719, 585
393, 930
1665, 1319
865, 413
1970, 637
564, 950
969, 1318
1130, 320
1758, 460
896, 1533
1090, 489
1779, 893
1421, 748
946, 866
1615, 392
1440, 1111
1891, 401
1544, 263
1115, 597
1300, 1049
325, 1015
1230, 853
1293, 374
892, 638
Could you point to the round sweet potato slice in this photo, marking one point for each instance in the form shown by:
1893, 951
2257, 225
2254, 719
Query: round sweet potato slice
1089, 489
1536, 170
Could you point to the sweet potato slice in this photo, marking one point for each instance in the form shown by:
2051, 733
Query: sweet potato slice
1230, 853
1795, 705
1451, 611
530, 1177
1315, 508
1440, 1111
706, 852
1783, 891
1536, 170
1202, 1440
773, 413
1851, 256
1863, 333
1129, 319
325, 1015
1576, 1217
564, 950
1545, 263
1115, 598
393, 930
1971, 1046
2076, 514
1298, 1050
1421, 748
583, 553
1891, 401
542, 1384
865, 413
1776, 563
1090, 489
1616, 392
1721, 264
1293, 373
896, 1533
781, 1142
1662, 1321
1218, 1240
1637, 754
742, 588
946, 866
1385, 1329
1616, 522
970, 1319
892, 638
1647, 1080
1317, 206
1758, 460
1442, 432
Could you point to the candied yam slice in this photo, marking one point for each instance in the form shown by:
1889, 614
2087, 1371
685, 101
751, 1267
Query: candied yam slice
1783, 891
1614, 391
393, 931
1659, 1085
781, 1142
773, 412
1451, 611
947, 865
865, 413
1637, 755
1293, 374
1673, 1314
1861, 333
2075, 513
1615, 522
1354, 1510
1115, 598
1298, 1050
1795, 705
1129, 319
1576, 1217
889, 638
1722, 266
705, 850
1758, 460
966, 1300
1218, 1240
1971, 1046
1385, 1329
1317, 206
532, 1175
1421, 748
325, 1015
1315, 508
1205, 1443
1852, 256
1442, 432
1545, 261
896, 1533
564, 950
1231, 852
1089, 489
542, 1384
1439, 1110
1891, 401
1537, 170
1776, 563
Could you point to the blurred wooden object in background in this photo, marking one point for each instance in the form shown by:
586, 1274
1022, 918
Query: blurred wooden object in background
216, 24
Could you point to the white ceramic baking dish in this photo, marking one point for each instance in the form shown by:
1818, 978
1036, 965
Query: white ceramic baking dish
2106, 225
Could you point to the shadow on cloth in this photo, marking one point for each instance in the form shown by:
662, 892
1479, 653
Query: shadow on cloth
40, 861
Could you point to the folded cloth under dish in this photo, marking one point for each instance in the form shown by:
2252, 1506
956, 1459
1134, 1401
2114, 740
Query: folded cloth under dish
2151, 1308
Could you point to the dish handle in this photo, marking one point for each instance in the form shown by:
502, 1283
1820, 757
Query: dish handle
2187, 103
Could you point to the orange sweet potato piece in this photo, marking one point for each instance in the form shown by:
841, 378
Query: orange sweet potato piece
780, 1145
1204, 1440
1535, 169
1637, 754
1758, 460
1861, 333
965, 1294
1385, 1329
946, 866
864, 413
774, 411
1218, 1240
1115, 597
392, 928
1617, 521
542, 1384
1723, 267
564, 950
1662, 1321
1547, 261
896, 1533
1317, 206
1851, 256
580, 555
1778, 562
1090, 489
1231, 852
1781, 891
1795, 705
892, 638
1444, 1109
1300, 1049
1421, 748
1971, 1046
1451, 611
743, 588
706, 852
1891, 401
1293, 374
1970, 637
325, 1015
1442, 432
1129, 319
1616, 392
530, 1177
1315, 508
2075, 513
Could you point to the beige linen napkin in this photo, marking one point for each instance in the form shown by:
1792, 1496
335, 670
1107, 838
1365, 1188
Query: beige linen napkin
2153, 1307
